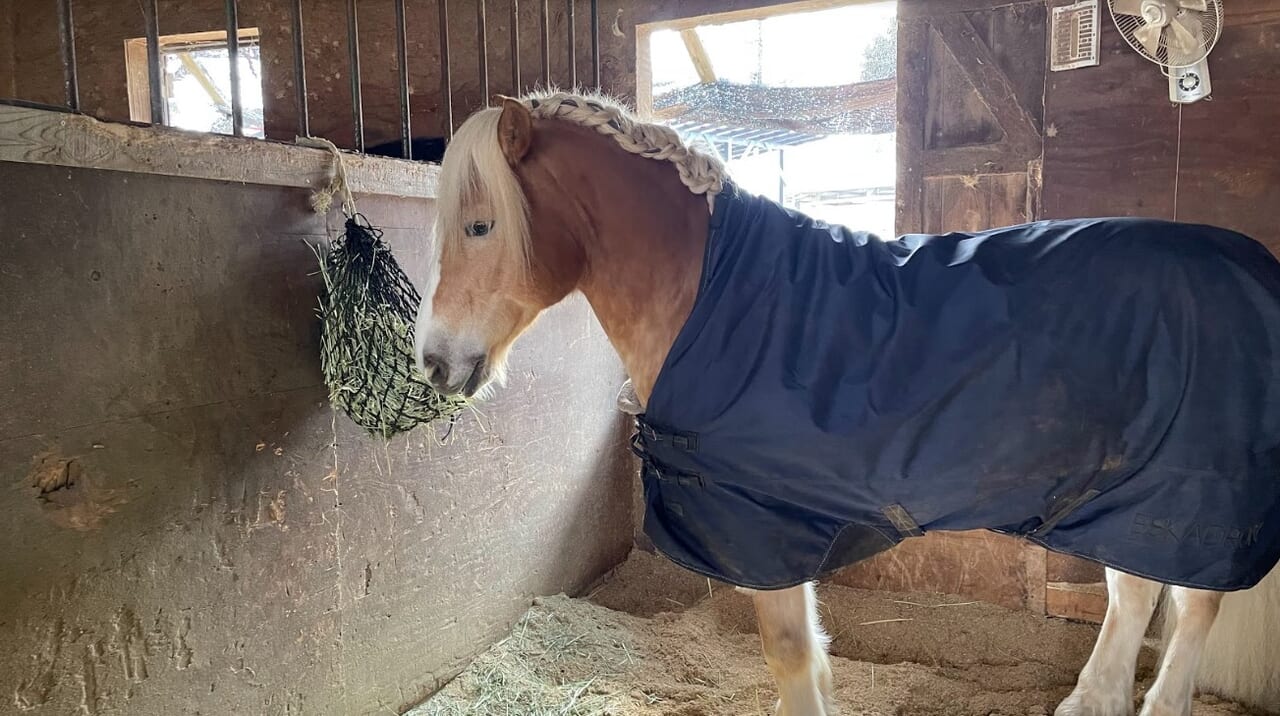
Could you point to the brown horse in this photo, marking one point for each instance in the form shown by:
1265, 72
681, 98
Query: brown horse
557, 193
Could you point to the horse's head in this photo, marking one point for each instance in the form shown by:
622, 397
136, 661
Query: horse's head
552, 194
495, 271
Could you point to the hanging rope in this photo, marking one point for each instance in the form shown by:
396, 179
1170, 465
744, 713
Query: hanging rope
367, 314
322, 199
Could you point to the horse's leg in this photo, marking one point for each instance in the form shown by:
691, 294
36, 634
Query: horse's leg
1105, 686
795, 648
1193, 613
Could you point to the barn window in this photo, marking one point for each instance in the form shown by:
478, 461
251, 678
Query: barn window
196, 77
800, 103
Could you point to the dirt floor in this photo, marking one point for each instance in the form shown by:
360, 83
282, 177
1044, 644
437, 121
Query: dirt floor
654, 639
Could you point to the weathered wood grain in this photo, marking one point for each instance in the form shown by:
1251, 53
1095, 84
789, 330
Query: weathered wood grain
977, 564
44, 137
974, 203
1065, 568
972, 159
1016, 36
957, 116
913, 100
937, 8
686, 14
1111, 137
8, 78
1078, 602
994, 87
1229, 168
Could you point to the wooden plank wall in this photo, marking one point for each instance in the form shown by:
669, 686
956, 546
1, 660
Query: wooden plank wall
1113, 127
8, 80
1228, 163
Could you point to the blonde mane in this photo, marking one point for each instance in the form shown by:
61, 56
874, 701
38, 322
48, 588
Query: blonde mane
477, 183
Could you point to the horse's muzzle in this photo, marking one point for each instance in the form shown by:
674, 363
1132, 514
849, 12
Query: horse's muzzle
464, 379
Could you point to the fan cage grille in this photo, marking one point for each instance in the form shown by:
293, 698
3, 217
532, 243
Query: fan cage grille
1210, 30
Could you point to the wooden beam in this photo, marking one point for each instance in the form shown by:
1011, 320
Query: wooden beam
644, 73
998, 158
913, 102
913, 9
698, 56
137, 80
38, 136
1079, 602
671, 19
994, 87
203, 78
1034, 561
211, 37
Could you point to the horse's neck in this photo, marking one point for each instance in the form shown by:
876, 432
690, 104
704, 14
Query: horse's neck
639, 230
642, 272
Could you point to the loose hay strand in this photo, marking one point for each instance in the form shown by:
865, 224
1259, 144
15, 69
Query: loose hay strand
516, 675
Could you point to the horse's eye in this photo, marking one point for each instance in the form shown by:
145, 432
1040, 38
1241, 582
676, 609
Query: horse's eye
479, 228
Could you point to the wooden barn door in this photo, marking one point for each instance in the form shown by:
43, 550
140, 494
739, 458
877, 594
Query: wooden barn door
970, 114
971, 79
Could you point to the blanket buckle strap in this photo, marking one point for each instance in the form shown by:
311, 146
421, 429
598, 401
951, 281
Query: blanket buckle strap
902, 520
1063, 511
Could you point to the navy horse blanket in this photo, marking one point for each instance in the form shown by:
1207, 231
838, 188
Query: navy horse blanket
1107, 388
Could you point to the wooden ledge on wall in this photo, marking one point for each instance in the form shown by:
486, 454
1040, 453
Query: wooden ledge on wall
41, 136
1079, 602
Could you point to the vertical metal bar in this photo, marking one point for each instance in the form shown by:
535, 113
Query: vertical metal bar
155, 75
482, 47
300, 71
66, 27
446, 79
546, 45
515, 47
595, 44
233, 58
357, 100
402, 54
573, 45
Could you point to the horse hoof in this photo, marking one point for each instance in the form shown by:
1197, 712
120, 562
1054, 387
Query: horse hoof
1092, 703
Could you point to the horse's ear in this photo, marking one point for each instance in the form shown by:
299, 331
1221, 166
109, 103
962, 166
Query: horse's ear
515, 130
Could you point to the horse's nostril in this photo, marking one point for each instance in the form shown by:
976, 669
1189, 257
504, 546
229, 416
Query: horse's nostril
431, 365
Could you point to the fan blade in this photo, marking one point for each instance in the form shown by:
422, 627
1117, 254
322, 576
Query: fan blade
1200, 5
1184, 39
1128, 7
1149, 36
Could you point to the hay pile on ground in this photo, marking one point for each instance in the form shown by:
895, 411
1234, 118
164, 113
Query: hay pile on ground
685, 652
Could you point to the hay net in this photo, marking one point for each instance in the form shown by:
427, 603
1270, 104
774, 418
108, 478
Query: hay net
367, 315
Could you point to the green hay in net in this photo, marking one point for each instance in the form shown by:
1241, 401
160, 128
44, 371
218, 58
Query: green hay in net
366, 350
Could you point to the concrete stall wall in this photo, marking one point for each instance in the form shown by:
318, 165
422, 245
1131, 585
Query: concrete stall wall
188, 527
